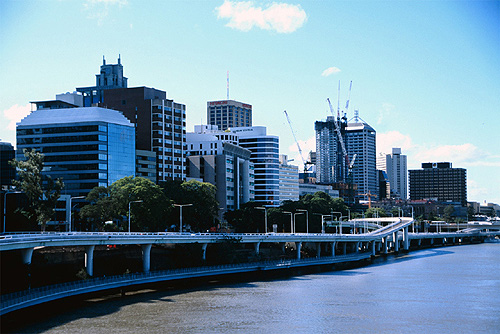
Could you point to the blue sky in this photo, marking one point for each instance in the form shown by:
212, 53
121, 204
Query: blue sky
426, 74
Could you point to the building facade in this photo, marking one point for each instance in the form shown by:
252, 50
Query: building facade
110, 77
361, 140
228, 114
86, 147
330, 160
265, 157
397, 173
7, 172
160, 126
439, 181
289, 180
213, 157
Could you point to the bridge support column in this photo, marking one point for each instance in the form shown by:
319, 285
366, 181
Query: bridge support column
333, 248
204, 251
396, 241
89, 259
344, 248
299, 246
379, 246
283, 244
406, 242
146, 257
432, 241
318, 250
358, 244
385, 246
257, 248
373, 248
419, 242
27, 254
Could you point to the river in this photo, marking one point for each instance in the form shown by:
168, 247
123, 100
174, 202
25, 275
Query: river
443, 290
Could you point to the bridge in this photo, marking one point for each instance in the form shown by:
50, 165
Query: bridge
375, 236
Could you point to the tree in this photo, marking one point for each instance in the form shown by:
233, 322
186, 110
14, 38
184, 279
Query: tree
40, 189
375, 213
201, 215
101, 207
448, 213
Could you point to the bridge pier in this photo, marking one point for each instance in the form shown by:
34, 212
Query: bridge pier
373, 248
89, 259
204, 251
358, 244
318, 250
344, 248
333, 248
396, 241
257, 248
299, 246
385, 245
146, 257
406, 243
27, 254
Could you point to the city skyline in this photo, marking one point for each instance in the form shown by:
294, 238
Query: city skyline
425, 74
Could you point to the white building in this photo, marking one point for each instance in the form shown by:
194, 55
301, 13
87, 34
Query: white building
265, 157
214, 157
397, 172
289, 180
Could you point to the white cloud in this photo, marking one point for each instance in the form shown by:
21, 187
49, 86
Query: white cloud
385, 112
306, 146
386, 141
330, 71
99, 9
457, 154
15, 114
280, 17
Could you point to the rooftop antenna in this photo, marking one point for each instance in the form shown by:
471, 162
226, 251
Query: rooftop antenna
119, 59
228, 85
103, 60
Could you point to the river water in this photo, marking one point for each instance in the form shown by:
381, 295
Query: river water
443, 290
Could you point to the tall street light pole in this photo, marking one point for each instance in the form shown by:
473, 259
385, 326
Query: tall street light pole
265, 217
307, 219
71, 210
139, 201
180, 214
295, 219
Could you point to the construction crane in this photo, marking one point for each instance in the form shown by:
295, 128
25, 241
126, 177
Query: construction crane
339, 134
298, 146
369, 198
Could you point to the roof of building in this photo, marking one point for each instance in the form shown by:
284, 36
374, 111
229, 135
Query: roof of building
74, 115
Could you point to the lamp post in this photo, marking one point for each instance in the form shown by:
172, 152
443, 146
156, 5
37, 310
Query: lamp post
294, 219
265, 216
180, 214
5, 205
71, 210
139, 201
291, 220
323, 220
307, 219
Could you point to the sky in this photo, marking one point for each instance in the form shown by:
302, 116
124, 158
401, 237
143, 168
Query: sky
425, 74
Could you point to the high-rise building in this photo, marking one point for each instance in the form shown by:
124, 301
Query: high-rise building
397, 171
214, 157
439, 181
86, 147
228, 114
330, 160
110, 77
289, 180
265, 157
7, 172
160, 126
361, 140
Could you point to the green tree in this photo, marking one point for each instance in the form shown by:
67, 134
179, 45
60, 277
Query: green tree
375, 212
448, 213
40, 189
202, 195
101, 207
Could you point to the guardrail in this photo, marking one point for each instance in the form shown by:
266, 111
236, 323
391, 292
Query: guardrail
18, 300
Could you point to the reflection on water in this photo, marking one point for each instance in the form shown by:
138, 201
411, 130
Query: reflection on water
453, 289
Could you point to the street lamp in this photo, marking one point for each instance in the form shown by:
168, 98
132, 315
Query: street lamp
71, 211
5, 205
265, 216
180, 214
291, 220
294, 219
139, 201
307, 219
323, 220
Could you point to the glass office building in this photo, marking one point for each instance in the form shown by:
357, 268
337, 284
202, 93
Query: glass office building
86, 147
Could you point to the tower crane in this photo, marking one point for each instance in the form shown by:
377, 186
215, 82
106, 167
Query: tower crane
298, 146
369, 195
339, 134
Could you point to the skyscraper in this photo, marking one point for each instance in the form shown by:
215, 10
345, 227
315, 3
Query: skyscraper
160, 126
228, 114
330, 160
87, 147
109, 77
397, 171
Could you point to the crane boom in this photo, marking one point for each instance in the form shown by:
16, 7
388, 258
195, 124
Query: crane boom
337, 129
296, 141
